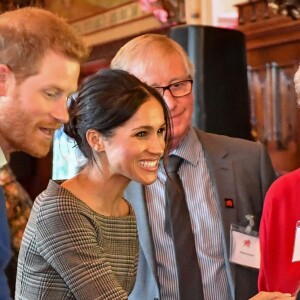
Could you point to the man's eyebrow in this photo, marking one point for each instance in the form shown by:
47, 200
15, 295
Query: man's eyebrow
171, 81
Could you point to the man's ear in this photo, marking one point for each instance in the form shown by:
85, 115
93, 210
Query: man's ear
95, 140
5, 76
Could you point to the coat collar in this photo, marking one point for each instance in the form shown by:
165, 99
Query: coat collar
2, 159
135, 194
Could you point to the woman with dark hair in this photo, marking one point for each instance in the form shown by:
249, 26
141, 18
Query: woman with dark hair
81, 239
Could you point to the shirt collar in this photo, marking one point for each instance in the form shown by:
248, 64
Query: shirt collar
190, 148
2, 159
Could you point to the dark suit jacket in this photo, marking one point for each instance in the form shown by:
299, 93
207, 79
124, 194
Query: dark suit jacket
5, 248
240, 170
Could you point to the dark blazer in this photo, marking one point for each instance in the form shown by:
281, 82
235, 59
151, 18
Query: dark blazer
5, 248
240, 170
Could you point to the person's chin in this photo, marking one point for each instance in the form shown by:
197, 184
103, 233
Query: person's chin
38, 151
148, 180
180, 133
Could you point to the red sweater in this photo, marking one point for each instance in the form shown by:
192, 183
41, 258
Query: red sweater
277, 235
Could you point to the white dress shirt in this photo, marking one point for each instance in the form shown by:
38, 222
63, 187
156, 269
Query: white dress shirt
2, 159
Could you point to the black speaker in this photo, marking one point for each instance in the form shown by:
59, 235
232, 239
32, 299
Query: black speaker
220, 83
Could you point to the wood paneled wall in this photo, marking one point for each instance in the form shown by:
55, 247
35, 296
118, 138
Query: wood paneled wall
273, 55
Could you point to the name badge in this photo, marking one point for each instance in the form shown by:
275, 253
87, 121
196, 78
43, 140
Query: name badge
296, 253
244, 246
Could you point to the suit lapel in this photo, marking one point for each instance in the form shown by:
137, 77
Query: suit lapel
222, 174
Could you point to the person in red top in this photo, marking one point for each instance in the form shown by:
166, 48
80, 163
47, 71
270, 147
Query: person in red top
281, 212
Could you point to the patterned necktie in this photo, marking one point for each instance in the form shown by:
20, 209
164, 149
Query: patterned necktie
178, 226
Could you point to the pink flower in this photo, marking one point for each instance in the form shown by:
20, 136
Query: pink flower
152, 6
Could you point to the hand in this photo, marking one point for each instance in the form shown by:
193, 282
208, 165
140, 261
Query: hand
272, 295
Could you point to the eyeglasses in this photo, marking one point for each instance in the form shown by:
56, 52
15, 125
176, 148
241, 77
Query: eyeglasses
177, 89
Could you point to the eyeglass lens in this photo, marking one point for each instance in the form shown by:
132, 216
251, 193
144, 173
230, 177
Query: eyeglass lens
177, 89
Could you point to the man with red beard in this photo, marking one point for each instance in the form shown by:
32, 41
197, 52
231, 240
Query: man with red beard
40, 58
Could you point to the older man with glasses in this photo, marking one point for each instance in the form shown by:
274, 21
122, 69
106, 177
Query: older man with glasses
224, 180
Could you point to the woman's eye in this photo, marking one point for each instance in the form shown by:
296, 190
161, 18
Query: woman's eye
161, 130
141, 134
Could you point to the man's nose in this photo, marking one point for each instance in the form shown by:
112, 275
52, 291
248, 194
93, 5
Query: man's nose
169, 99
60, 111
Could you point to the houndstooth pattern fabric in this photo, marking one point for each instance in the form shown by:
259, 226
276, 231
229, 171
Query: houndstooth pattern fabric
69, 251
